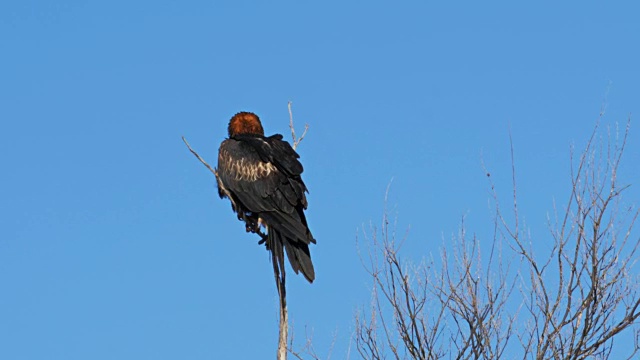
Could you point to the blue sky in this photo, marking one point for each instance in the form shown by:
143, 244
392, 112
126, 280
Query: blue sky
113, 242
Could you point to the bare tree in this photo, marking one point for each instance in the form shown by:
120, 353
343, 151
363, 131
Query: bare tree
569, 303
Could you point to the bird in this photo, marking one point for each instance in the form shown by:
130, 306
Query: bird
261, 176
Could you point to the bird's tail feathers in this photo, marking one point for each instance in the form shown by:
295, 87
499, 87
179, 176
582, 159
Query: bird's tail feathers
275, 246
297, 253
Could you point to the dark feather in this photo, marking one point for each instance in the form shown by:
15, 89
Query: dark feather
261, 175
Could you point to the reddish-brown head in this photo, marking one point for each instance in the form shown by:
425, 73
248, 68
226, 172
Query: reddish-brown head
245, 123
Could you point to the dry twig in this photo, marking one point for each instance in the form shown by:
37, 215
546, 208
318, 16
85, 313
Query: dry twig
200, 158
575, 300
293, 131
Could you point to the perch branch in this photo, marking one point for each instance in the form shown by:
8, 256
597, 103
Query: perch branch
200, 158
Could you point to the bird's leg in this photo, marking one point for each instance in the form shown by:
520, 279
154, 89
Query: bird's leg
256, 230
250, 222
259, 232
252, 225
262, 235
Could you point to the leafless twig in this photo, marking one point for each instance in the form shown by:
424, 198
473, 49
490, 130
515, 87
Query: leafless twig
200, 158
575, 300
295, 140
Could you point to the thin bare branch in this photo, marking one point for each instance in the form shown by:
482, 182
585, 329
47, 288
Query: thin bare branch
296, 141
576, 298
199, 157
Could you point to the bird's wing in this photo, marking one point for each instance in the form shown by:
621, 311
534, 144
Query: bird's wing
262, 175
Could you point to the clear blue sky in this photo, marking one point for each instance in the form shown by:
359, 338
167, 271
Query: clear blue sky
113, 242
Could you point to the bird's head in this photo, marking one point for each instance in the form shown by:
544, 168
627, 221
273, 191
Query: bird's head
245, 123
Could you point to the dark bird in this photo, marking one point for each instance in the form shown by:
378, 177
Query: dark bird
261, 177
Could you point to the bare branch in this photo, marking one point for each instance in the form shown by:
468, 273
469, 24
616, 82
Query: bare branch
200, 158
576, 298
295, 140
